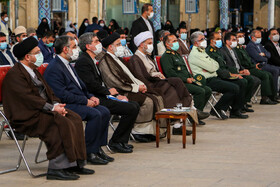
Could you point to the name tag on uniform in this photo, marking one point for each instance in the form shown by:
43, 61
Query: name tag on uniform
179, 68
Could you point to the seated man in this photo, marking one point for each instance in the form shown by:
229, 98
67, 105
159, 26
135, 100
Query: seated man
230, 59
183, 42
115, 74
32, 109
272, 46
6, 57
160, 46
67, 86
201, 63
173, 65
267, 86
88, 71
126, 52
260, 56
30, 31
20, 35
46, 46
141, 65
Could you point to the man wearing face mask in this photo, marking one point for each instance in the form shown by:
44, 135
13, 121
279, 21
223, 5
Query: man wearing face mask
87, 69
267, 86
272, 45
46, 46
260, 56
20, 34
4, 25
33, 109
67, 86
173, 65
160, 46
143, 24
126, 51
6, 57
232, 61
208, 66
183, 42
116, 75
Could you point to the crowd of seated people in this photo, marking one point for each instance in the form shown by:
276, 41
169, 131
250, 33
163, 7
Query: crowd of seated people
89, 78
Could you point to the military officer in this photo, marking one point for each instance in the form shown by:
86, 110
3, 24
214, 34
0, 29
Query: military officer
267, 85
244, 81
201, 63
173, 65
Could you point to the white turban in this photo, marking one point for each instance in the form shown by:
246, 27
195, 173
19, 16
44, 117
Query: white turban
141, 37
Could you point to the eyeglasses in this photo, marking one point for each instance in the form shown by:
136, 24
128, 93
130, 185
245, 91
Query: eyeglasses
202, 39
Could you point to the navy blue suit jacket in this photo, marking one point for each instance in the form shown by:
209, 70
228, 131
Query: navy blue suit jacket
64, 85
254, 50
4, 61
47, 52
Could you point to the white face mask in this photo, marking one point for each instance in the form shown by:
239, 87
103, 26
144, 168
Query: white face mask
6, 19
102, 24
119, 51
233, 45
203, 44
86, 24
98, 49
150, 48
275, 38
75, 54
241, 41
151, 15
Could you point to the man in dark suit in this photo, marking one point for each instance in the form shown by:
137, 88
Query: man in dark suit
87, 69
46, 46
260, 56
272, 45
143, 24
233, 62
67, 86
6, 57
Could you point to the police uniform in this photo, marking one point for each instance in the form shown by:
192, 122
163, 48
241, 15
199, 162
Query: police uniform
201, 63
173, 65
267, 85
245, 89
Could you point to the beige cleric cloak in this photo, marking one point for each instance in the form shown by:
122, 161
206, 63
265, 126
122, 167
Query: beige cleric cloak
23, 107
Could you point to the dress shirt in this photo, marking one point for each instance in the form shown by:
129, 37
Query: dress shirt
148, 25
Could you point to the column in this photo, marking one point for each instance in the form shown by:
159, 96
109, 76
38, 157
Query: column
224, 14
271, 8
157, 14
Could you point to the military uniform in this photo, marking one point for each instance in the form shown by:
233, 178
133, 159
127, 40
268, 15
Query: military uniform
173, 65
201, 63
267, 85
245, 85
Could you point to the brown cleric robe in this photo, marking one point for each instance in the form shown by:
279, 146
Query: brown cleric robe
24, 108
183, 48
172, 90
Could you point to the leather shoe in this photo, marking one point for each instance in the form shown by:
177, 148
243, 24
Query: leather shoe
179, 131
223, 116
201, 122
81, 171
246, 109
248, 105
238, 115
17, 135
104, 156
267, 101
96, 160
140, 138
202, 115
118, 148
126, 145
60, 174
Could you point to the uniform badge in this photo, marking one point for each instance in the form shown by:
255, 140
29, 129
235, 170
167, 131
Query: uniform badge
211, 50
179, 68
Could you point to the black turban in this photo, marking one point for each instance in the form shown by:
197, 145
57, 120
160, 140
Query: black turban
24, 47
110, 39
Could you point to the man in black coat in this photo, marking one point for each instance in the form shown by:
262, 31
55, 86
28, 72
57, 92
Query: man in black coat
143, 24
272, 46
87, 69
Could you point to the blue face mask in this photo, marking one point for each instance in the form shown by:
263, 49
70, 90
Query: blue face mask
49, 44
184, 36
36, 37
123, 42
3, 45
175, 46
39, 59
219, 43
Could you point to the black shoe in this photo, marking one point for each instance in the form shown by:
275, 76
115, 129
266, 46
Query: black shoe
118, 148
126, 145
246, 109
238, 115
104, 156
17, 135
60, 174
140, 138
96, 160
267, 101
179, 131
248, 106
275, 99
201, 122
202, 115
81, 171
223, 116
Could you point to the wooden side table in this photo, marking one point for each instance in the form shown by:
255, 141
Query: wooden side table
172, 115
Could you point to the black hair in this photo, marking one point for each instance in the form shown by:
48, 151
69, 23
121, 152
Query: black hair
145, 7
61, 42
228, 36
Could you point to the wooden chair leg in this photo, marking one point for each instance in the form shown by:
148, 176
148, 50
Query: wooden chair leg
157, 133
168, 131
194, 131
184, 133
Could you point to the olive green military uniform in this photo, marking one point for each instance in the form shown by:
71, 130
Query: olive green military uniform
173, 65
267, 85
245, 88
